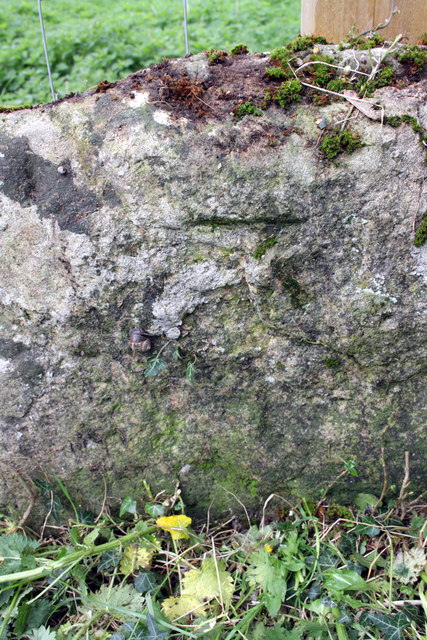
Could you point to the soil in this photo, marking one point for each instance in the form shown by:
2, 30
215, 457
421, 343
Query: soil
231, 81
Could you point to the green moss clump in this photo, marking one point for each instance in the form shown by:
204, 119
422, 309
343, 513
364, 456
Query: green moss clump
247, 109
331, 146
302, 43
413, 122
336, 143
278, 73
350, 141
322, 74
384, 78
260, 251
393, 121
5, 109
239, 50
421, 234
338, 84
288, 92
332, 362
337, 511
216, 56
415, 57
281, 55
375, 40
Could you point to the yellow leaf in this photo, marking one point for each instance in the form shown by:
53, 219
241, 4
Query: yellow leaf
136, 557
182, 607
210, 582
175, 525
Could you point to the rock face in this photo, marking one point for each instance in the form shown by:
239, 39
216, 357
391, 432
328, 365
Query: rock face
289, 284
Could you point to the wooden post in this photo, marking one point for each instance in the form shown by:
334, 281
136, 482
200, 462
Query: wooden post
334, 18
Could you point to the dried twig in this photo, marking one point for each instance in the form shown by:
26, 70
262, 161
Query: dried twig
384, 466
406, 481
393, 10
29, 486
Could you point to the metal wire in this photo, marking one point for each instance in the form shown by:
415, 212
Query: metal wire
187, 48
46, 53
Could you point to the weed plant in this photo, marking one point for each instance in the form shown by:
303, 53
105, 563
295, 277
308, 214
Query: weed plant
314, 571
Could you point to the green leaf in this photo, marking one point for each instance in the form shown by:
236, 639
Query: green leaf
17, 553
42, 633
347, 544
154, 632
190, 372
108, 560
133, 631
391, 626
128, 506
154, 510
350, 466
52, 502
261, 632
327, 560
364, 500
155, 365
110, 598
31, 616
320, 607
176, 356
85, 517
269, 573
145, 581
368, 528
345, 581
89, 540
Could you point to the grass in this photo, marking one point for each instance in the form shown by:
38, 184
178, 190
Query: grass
311, 571
90, 41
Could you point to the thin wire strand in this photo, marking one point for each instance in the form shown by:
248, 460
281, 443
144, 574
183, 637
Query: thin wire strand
46, 53
187, 48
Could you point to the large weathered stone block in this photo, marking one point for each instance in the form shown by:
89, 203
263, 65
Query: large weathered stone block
292, 282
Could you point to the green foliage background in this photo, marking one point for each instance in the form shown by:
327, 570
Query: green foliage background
94, 40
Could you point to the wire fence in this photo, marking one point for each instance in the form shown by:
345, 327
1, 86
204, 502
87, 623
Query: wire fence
54, 47
46, 50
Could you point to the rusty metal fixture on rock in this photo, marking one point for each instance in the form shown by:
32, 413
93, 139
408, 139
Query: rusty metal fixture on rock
139, 340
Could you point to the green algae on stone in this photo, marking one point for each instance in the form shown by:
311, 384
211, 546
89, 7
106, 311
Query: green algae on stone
421, 232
